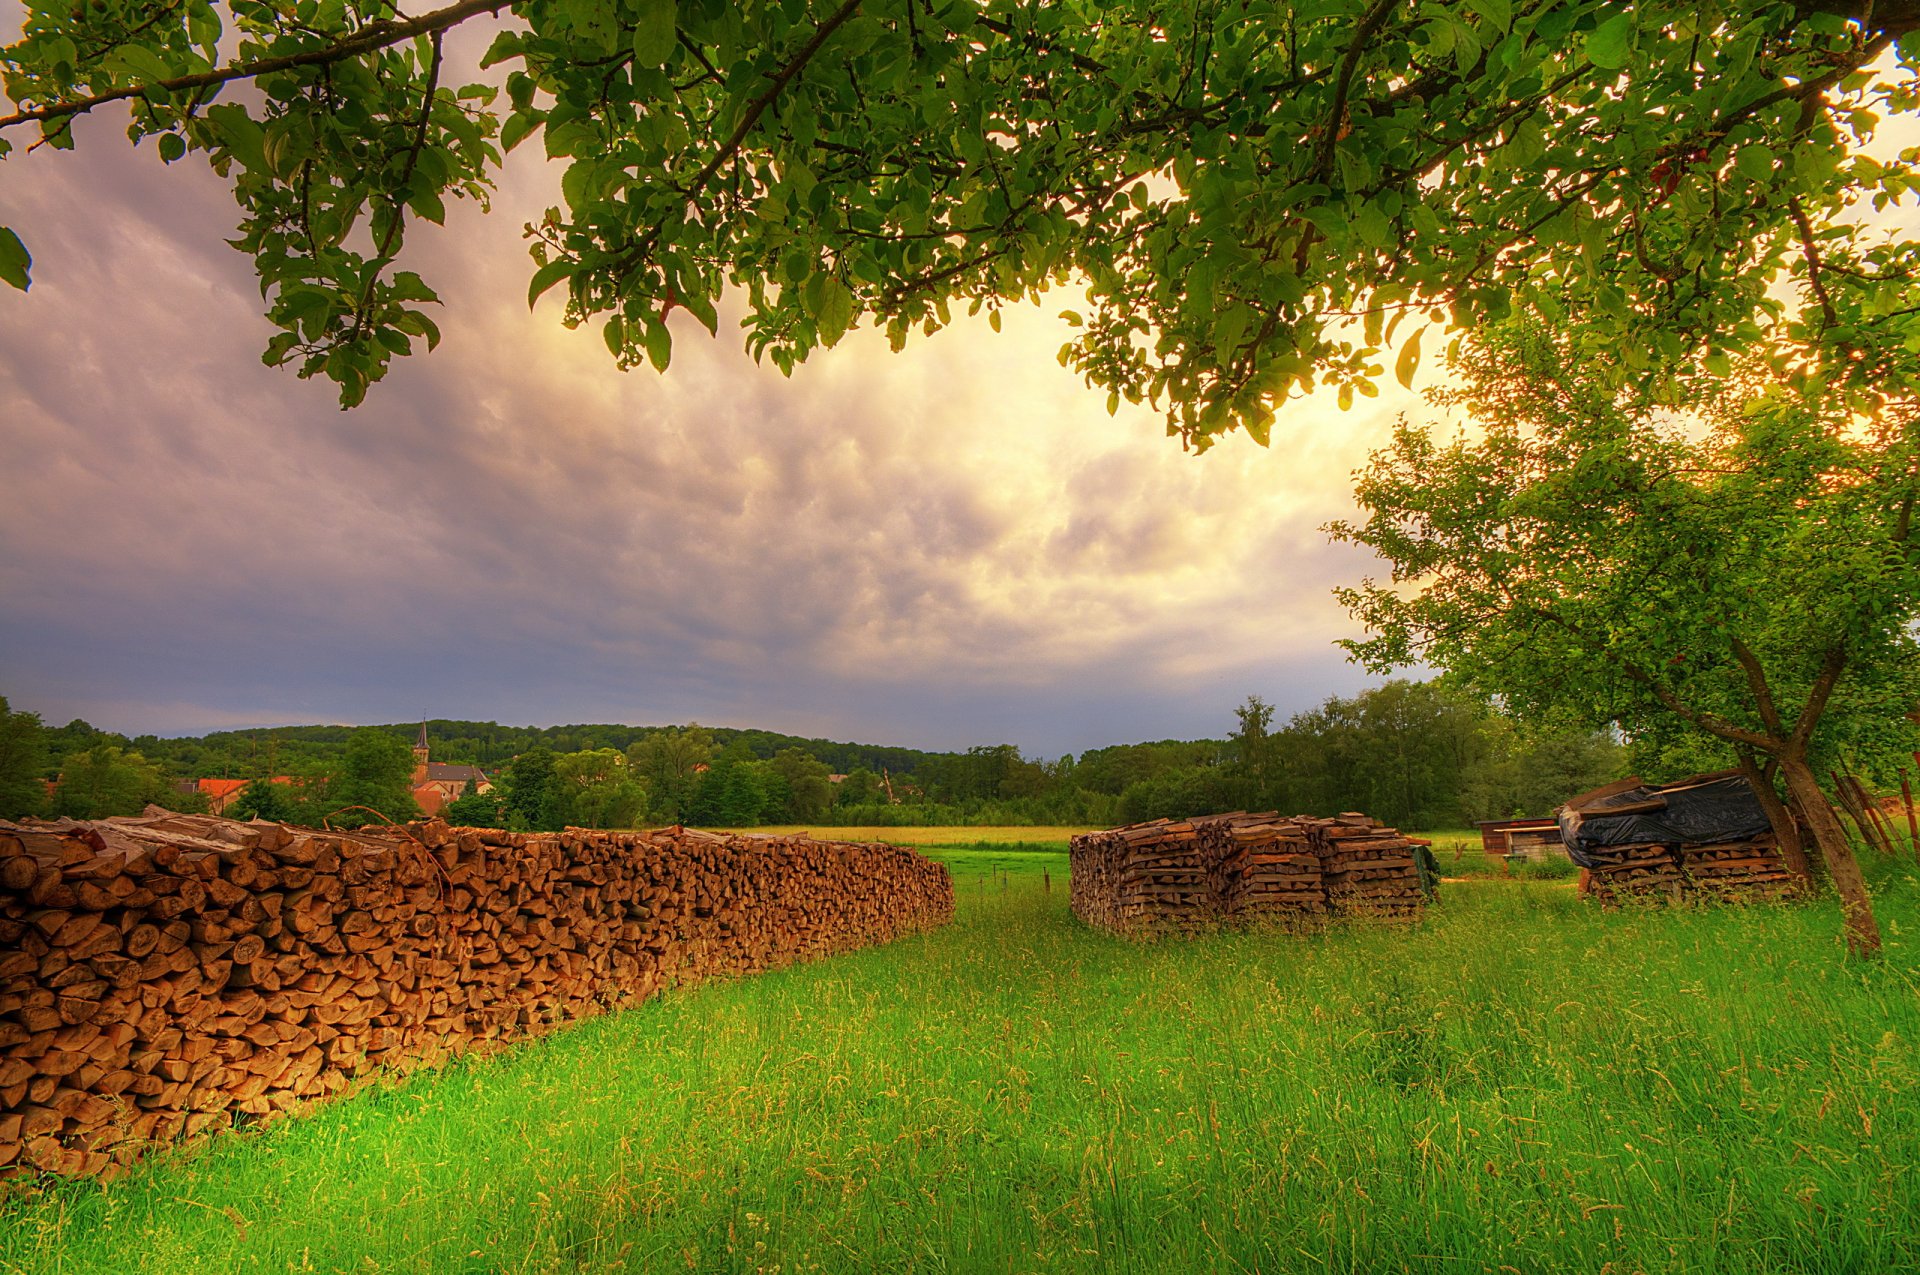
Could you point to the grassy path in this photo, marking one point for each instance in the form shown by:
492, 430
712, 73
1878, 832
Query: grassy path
1523, 1084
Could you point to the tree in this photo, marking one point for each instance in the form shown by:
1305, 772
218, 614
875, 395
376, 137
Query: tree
374, 776
1750, 572
263, 799
1253, 743
106, 780
809, 794
532, 803
475, 810
669, 762
861, 787
23, 756
1234, 181
730, 794
594, 788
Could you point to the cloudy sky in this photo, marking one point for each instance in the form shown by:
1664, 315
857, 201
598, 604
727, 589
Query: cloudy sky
950, 546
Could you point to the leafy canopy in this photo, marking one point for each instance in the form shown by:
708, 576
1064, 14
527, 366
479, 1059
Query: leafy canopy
1749, 571
1255, 195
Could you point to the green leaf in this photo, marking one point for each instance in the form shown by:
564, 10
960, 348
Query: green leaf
515, 130
172, 147
659, 343
1409, 360
654, 31
240, 133
546, 276
1609, 43
16, 262
836, 311
140, 63
1755, 163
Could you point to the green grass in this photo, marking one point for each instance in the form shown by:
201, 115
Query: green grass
1521, 1083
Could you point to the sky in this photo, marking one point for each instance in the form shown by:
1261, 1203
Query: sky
950, 546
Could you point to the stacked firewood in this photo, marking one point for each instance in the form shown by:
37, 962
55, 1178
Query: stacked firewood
1674, 873
173, 974
1241, 868
1738, 869
1368, 868
1642, 873
1155, 873
1268, 867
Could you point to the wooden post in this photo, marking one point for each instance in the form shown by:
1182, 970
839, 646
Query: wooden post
1913, 822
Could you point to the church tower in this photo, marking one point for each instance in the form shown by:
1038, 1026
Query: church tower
420, 747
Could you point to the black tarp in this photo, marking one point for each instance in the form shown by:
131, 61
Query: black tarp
1703, 810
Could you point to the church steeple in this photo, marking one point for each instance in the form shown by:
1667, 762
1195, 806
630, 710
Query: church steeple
420, 747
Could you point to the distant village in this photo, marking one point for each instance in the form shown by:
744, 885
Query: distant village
434, 784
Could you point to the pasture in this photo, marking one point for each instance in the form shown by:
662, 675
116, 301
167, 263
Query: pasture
1520, 1083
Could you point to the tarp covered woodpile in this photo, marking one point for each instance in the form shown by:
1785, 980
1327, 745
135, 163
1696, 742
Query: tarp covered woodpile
1702, 837
1242, 868
166, 976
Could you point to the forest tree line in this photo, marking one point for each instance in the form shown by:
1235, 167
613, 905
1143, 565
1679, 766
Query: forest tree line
1418, 754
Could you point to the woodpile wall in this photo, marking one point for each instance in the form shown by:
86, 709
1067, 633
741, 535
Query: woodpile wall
1242, 868
1676, 873
166, 976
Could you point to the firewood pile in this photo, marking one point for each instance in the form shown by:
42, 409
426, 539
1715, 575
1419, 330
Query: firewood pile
1368, 868
1739, 869
1154, 873
1703, 837
1753, 868
1241, 868
1643, 874
169, 975
1268, 866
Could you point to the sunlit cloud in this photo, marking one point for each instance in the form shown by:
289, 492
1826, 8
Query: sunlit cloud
949, 546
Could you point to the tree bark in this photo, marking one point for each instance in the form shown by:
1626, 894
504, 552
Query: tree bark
1836, 852
1786, 832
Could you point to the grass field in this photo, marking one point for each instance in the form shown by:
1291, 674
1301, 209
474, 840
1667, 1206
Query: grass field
1052, 836
1522, 1083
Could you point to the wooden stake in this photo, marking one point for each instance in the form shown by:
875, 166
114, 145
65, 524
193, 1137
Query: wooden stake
1913, 821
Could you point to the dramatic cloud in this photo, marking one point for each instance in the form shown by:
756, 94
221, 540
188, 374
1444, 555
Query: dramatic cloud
951, 546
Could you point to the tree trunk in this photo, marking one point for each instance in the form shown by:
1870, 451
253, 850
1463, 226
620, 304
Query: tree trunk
1785, 831
1863, 932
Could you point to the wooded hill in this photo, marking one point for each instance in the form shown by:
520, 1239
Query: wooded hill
1422, 755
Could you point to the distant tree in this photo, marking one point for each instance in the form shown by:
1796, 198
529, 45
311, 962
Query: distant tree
475, 809
106, 780
861, 787
809, 796
23, 760
1253, 744
595, 788
375, 774
77, 736
1529, 773
731, 793
263, 799
668, 762
531, 799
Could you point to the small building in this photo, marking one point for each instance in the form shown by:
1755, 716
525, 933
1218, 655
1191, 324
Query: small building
220, 793
1529, 838
437, 784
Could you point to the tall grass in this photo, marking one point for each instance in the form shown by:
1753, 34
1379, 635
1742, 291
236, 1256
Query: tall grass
1520, 1083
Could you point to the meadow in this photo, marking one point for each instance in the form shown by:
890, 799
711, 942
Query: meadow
1520, 1083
